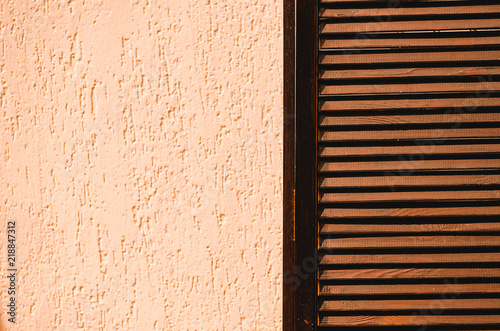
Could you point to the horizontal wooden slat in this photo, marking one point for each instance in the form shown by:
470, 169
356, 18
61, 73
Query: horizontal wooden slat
410, 258
411, 273
460, 104
401, 42
335, 136
411, 242
407, 166
410, 119
408, 228
359, 197
337, 213
396, 180
391, 305
400, 26
410, 289
410, 57
327, 90
473, 149
409, 72
411, 320
419, 11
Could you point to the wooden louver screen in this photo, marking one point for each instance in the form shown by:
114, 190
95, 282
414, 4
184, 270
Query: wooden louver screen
409, 165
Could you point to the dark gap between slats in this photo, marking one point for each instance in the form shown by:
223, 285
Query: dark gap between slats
408, 18
390, 188
435, 234
475, 98
438, 34
423, 156
475, 49
426, 35
369, 34
450, 111
422, 252
403, 251
408, 205
428, 232
411, 250
367, 297
400, 281
409, 328
422, 48
428, 224
416, 142
410, 126
409, 312
401, 158
422, 220
410, 80
407, 173
393, 95
403, 4
442, 96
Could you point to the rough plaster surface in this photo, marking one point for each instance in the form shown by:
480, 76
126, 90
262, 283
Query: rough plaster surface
140, 146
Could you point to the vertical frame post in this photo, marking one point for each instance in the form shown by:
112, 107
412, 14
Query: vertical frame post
300, 164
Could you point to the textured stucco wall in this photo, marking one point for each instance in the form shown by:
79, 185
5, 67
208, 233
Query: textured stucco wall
140, 146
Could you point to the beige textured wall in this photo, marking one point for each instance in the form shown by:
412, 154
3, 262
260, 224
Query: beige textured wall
140, 146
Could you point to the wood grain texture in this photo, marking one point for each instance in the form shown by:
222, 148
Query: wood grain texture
367, 259
409, 289
456, 105
402, 42
396, 180
409, 72
327, 90
415, 304
408, 166
338, 213
359, 197
417, 149
413, 320
363, 228
404, 242
411, 273
332, 136
422, 57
